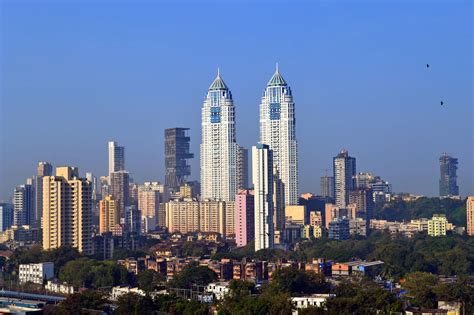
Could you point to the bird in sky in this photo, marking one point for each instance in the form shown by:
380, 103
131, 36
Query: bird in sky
427, 65
442, 103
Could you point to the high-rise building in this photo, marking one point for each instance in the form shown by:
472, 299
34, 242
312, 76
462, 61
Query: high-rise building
262, 176
363, 200
218, 147
327, 186
43, 169
67, 210
24, 204
176, 157
339, 229
470, 215
448, 178
182, 216
133, 219
90, 177
278, 130
6, 216
119, 182
149, 199
278, 202
244, 217
116, 158
109, 217
344, 171
242, 168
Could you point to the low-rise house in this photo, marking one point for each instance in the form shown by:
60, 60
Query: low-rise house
219, 289
317, 300
118, 291
57, 286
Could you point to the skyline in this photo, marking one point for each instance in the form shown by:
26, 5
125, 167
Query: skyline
409, 93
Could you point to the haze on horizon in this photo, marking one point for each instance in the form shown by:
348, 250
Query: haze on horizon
76, 75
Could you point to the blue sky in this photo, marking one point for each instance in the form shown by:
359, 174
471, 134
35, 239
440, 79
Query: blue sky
77, 74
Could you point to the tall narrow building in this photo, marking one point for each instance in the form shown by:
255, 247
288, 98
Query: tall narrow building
116, 157
327, 186
344, 172
242, 168
109, 218
278, 130
262, 176
218, 147
44, 169
67, 210
119, 182
470, 215
448, 178
176, 157
24, 204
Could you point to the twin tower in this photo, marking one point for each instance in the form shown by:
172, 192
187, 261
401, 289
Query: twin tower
219, 147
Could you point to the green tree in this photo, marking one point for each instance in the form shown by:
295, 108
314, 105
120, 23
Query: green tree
193, 274
149, 279
132, 303
420, 287
83, 303
299, 282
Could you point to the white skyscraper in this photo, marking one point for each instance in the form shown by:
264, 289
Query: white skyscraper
277, 129
218, 147
262, 176
344, 172
116, 157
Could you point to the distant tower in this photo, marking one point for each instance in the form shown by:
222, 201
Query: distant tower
262, 176
176, 155
278, 130
6, 216
327, 186
470, 215
448, 178
44, 169
344, 182
116, 157
24, 204
119, 182
218, 147
242, 168
244, 217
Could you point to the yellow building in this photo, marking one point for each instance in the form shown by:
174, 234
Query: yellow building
437, 226
109, 217
67, 210
317, 231
470, 215
295, 214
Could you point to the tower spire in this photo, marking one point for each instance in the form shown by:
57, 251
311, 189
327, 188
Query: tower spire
276, 67
218, 72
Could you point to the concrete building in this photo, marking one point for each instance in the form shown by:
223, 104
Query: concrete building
36, 273
262, 176
327, 187
448, 177
119, 182
43, 169
278, 130
177, 155
109, 217
315, 218
278, 202
315, 300
334, 212
24, 204
339, 229
244, 217
116, 158
437, 226
470, 215
219, 147
344, 171
182, 215
296, 215
67, 210
6, 216
242, 168
149, 199
133, 220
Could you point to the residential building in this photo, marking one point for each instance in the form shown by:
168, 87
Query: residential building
315, 218
339, 229
278, 131
437, 226
358, 226
244, 217
57, 286
448, 177
219, 147
278, 202
327, 186
6, 216
109, 217
43, 169
363, 200
242, 168
119, 182
36, 273
133, 219
470, 215
344, 171
177, 169
116, 158
149, 199
24, 204
296, 215
182, 215
95, 191
67, 210
315, 300
334, 212
262, 177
